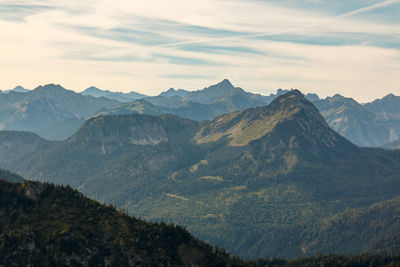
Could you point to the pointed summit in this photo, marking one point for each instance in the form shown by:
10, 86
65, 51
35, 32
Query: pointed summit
293, 97
293, 102
223, 91
173, 92
94, 91
225, 83
386, 108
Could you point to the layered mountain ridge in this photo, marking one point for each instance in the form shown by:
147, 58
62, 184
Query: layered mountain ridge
17, 88
118, 96
360, 124
251, 181
354, 121
50, 111
370, 125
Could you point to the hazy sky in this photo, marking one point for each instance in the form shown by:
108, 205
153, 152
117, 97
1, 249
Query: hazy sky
351, 47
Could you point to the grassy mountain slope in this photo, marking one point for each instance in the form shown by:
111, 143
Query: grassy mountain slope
239, 181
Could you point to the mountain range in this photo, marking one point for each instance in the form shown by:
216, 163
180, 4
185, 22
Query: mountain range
119, 96
268, 181
50, 111
369, 125
356, 122
372, 124
18, 89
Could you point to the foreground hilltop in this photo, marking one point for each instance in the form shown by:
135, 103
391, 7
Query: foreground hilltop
45, 225
266, 181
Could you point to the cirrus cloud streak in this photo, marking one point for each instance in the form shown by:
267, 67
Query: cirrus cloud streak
259, 45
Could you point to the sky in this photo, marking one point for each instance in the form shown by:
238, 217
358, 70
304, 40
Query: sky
350, 47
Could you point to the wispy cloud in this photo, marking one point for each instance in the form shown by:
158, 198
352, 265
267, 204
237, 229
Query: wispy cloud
369, 8
321, 46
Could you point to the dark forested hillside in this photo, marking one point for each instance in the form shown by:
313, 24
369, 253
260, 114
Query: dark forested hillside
44, 225
10, 177
15, 147
47, 225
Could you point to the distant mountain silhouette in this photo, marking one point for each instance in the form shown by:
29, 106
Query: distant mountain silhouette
370, 125
119, 96
353, 120
18, 89
51, 111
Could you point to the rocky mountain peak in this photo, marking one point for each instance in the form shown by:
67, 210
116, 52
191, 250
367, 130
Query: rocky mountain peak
294, 101
388, 98
92, 89
225, 83
50, 88
174, 92
214, 93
